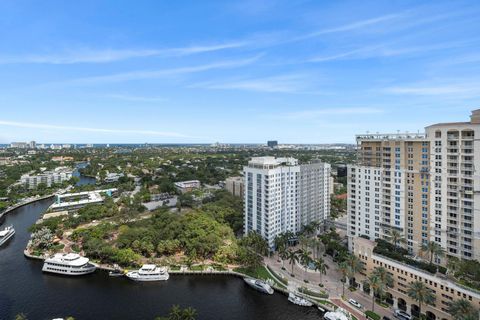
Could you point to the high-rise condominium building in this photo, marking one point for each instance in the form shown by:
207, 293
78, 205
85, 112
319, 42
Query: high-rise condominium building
281, 195
422, 185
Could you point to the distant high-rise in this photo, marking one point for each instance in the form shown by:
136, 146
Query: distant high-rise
272, 144
19, 145
281, 195
425, 186
32, 145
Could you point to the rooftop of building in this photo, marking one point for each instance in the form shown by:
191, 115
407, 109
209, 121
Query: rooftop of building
390, 136
474, 119
273, 161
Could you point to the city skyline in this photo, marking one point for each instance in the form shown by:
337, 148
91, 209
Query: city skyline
296, 72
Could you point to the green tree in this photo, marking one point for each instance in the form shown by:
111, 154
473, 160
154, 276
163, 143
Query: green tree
462, 309
384, 276
419, 292
377, 287
292, 258
345, 271
433, 249
396, 238
321, 267
283, 254
305, 258
354, 266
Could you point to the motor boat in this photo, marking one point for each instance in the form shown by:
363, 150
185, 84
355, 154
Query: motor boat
259, 285
293, 298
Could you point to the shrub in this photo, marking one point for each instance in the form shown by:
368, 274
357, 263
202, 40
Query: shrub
372, 315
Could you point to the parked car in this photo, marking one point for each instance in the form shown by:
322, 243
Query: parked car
386, 318
402, 315
355, 303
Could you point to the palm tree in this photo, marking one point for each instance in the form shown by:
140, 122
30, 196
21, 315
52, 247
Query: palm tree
355, 265
432, 249
321, 267
452, 265
305, 258
317, 245
377, 287
279, 242
292, 258
396, 238
21, 316
189, 314
282, 254
419, 292
344, 270
384, 276
288, 236
462, 309
175, 313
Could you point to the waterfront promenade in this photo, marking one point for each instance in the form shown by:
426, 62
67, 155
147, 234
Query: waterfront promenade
332, 285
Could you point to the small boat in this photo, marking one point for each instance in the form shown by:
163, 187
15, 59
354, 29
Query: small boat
6, 234
259, 285
149, 272
293, 298
116, 272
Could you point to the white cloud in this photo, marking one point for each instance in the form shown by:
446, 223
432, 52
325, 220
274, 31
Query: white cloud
112, 55
87, 129
460, 88
153, 74
128, 97
294, 83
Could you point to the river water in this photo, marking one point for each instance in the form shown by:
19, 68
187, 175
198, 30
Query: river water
24, 288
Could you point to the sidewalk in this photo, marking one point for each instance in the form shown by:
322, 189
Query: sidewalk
331, 285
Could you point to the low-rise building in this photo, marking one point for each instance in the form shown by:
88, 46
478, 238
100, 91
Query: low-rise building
113, 177
445, 289
235, 185
71, 202
187, 186
48, 178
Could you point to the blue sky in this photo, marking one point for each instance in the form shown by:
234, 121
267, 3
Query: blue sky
246, 71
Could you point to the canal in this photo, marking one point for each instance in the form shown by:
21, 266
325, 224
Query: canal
24, 288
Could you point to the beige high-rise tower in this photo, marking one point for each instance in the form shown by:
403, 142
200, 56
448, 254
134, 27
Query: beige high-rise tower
426, 186
455, 186
388, 188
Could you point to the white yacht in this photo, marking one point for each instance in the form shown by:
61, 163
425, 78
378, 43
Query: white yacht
71, 264
259, 285
293, 298
6, 234
149, 272
339, 314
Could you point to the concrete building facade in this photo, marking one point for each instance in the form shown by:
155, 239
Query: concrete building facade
235, 185
281, 195
445, 290
426, 186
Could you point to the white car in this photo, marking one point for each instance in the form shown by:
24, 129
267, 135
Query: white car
355, 303
402, 315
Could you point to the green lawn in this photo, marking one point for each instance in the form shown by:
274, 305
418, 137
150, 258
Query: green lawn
259, 273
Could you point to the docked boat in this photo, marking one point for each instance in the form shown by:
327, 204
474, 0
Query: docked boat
339, 314
6, 234
116, 272
149, 272
293, 298
71, 264
259, 285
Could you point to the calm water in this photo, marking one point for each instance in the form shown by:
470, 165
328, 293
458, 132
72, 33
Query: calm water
83, 179
24, 288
